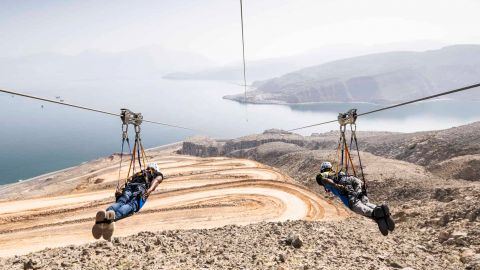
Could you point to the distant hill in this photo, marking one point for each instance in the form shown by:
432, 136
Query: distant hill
380, 78
143, 63
257, 70
263, 69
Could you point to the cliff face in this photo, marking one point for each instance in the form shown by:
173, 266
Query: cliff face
381, 78
202, 147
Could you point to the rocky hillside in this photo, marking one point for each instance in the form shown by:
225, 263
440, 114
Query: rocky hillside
452, 153
380, 78
419, 174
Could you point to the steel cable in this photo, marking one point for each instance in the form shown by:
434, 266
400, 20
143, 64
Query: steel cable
88, 108
397, 105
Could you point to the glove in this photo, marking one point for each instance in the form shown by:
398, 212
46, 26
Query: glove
145, 196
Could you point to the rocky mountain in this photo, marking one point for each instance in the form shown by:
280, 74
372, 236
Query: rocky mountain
380, 78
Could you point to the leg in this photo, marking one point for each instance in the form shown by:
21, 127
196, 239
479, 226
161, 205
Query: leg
124, 211
386, 212
122, 200
367, 202
363, 209
104, 224
114, 207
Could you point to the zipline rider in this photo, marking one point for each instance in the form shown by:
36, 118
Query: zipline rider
350, 191
128, 201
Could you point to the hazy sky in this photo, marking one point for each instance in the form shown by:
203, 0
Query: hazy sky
212, 27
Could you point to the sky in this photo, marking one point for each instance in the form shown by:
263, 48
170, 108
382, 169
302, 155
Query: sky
273, 28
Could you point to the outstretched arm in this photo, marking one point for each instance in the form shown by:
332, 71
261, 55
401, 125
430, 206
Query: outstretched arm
154, 184
327, 181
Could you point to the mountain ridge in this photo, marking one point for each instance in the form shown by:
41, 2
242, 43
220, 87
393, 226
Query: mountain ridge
378, 78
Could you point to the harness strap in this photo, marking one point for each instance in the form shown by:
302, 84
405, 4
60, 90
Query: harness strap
120, 169
132, 162
351, 161
138, 154
143, 152
124, 138
354, 136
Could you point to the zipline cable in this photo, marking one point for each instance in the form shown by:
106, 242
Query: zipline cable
397, 105
244, 65
86, 108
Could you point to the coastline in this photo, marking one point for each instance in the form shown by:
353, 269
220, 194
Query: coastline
272, 102
46, 175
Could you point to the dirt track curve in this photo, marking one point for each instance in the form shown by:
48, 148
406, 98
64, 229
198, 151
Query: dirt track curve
197, 193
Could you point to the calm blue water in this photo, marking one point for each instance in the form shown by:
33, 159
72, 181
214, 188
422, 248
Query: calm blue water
35, 140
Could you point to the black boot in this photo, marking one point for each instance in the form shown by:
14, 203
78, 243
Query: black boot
388, 218
379, 217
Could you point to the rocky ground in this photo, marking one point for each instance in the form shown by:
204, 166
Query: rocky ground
430, 179
348, 244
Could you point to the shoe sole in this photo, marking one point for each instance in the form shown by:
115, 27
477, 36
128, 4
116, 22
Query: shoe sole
109, 228
97, 229
388, 218
382, 226
380, 217
378, 213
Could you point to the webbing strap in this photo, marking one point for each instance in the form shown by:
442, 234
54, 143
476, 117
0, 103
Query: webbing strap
342, 142
143, 153
121, 159
138, 154
132, 163
337, 156
354, 136
351, 161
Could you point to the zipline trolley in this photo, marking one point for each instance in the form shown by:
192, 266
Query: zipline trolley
137, 154
344, 161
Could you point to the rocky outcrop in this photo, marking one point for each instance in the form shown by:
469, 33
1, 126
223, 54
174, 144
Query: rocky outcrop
202, 147
268, 136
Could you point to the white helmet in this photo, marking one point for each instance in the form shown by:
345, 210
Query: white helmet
325, 165
154, 166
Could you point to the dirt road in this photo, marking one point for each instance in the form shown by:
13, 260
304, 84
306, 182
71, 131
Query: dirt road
197, 193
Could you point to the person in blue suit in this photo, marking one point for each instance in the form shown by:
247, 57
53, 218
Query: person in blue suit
351, 192
128, 201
